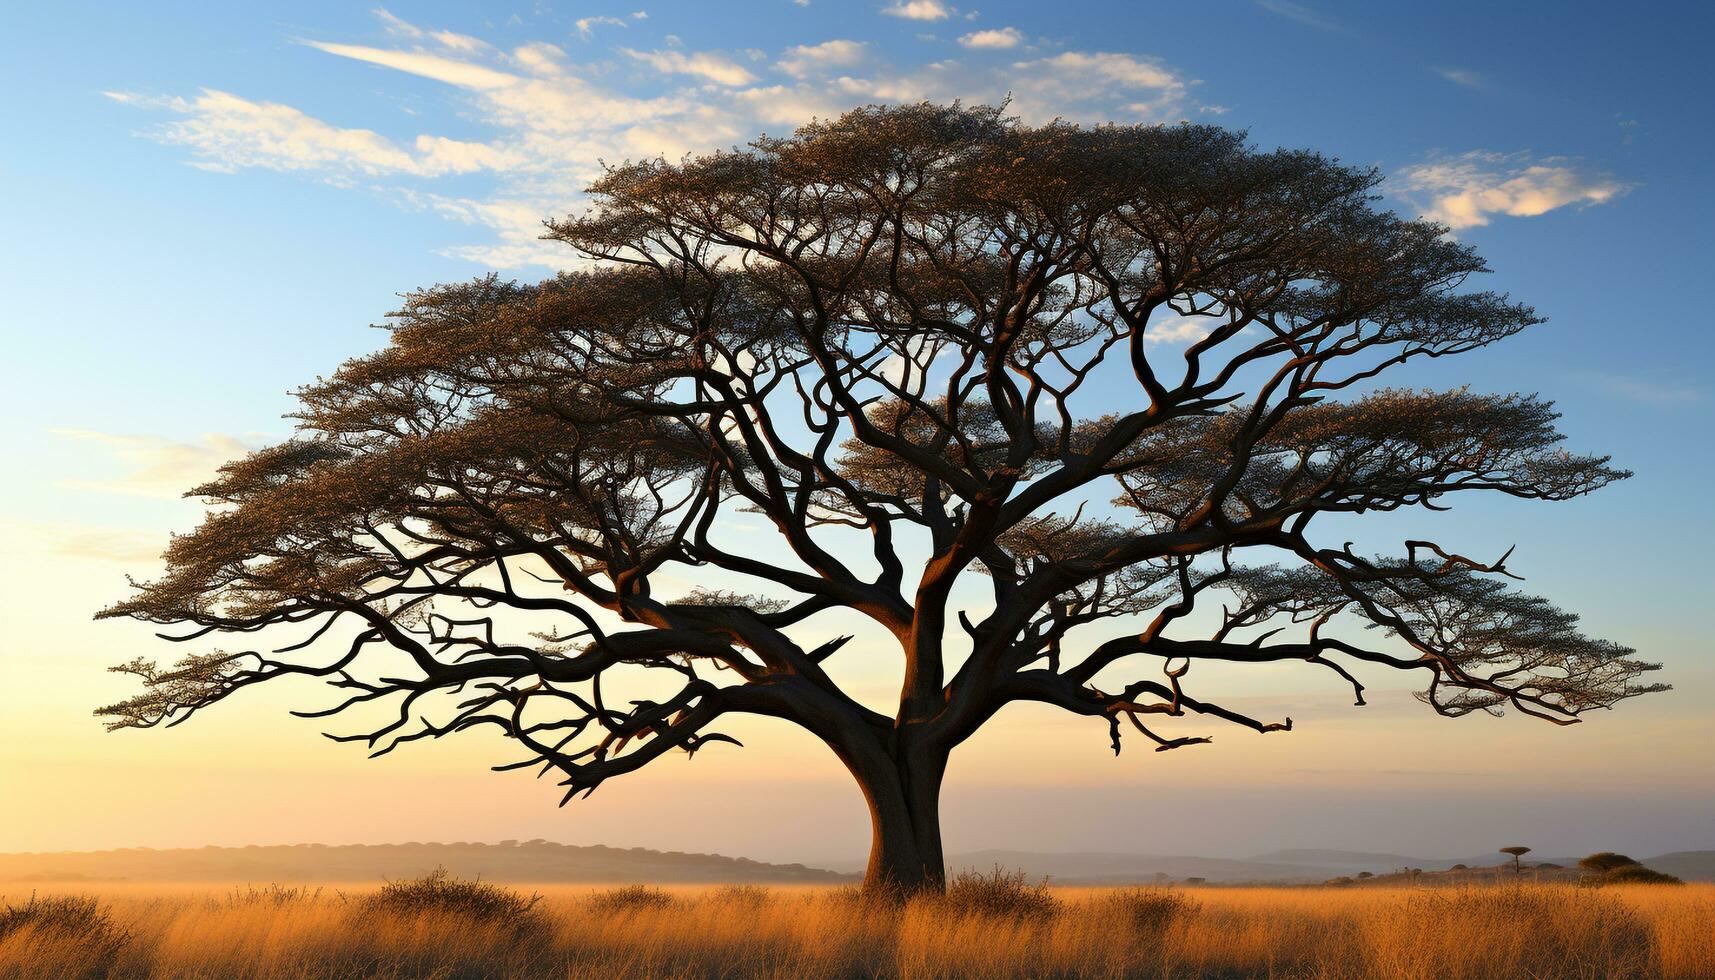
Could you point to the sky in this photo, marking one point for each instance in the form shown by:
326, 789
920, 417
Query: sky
203, 206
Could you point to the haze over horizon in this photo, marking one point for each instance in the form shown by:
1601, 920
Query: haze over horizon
205, 221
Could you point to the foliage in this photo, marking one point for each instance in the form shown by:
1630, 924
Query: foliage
441, 893
1151, 910
999, 893
1096, 366
630, 898
1344, 934
1605, 861
68, 921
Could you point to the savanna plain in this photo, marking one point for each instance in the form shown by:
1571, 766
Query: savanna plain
992, 925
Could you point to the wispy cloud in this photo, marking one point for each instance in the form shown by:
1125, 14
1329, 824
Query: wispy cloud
153, 467
554, 118
711, 65
113, 546
1461, 76
805, 60
1077, 80
1466, 190
918, 10
1657, 390
1000, 38
1307, 16
586, 25
227, 133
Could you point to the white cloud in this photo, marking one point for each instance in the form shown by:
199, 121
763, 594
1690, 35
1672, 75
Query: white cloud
1464, 191
229, 133
1079, 84
1461, 76
711, 65
126, 548
586, 25
1180, 330
1650, 390
452, 71
816, 59
919, 10
553, 118
1302, 14
154, 467
1005, 37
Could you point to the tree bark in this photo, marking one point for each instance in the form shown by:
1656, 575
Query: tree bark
904, 794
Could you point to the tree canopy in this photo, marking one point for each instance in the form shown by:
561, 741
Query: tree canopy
1119, 373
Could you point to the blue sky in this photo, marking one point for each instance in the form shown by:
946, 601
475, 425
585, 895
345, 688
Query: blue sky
206, 205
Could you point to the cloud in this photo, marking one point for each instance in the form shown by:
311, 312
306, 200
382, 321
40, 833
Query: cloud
1080, 84
108, 546
919, 10
227, 133
586, 25
124, 547
715, 67
1302, 14
452, 71
1461, 76
155, 467
1180, 330
1464, 191
552, 118
1005, 37
816, 59
1658, 391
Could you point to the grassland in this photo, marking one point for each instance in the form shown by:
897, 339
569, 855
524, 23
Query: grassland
990, 930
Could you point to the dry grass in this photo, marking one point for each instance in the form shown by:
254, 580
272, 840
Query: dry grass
992, 926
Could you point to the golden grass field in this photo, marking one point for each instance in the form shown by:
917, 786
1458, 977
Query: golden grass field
219, 931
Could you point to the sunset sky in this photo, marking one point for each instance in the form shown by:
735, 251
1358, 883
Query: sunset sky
203, 206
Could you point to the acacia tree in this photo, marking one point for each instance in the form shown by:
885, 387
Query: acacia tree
923, 345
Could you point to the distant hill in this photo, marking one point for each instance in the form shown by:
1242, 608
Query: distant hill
1690, 865
1098, 868
1353, 861
544, 862
534, 861
1295, 866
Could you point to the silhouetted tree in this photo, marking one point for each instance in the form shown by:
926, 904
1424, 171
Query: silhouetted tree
916, 343
1602, 862
1517, 852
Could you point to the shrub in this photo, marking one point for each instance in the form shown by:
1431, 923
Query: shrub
1540, 931
1602, 862
70, 924
748, 895
274, 894
1151, 909
1636, 874
630, 898
1000, 893
439, 893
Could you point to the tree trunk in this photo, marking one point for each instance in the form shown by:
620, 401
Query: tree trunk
904, 794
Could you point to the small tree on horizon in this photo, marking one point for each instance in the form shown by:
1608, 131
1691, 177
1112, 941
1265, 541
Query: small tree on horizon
1021, 399
1517, 852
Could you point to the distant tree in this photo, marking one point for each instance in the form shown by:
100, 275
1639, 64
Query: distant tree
1602, 862
1094, 366
1366, 874
1517, 852
1637, 874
